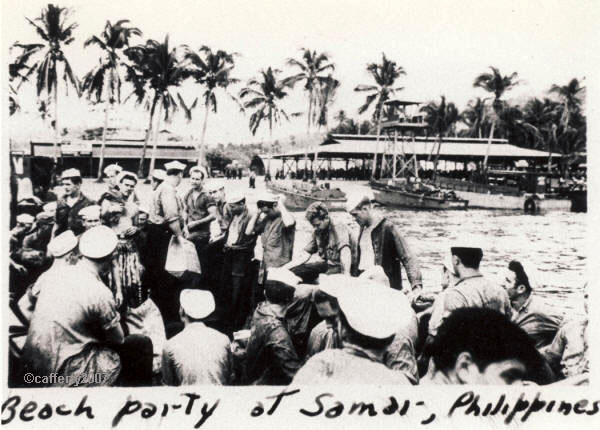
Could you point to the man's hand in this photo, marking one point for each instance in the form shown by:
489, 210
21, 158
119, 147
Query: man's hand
418, 300
19, 268
119, 299
130, 231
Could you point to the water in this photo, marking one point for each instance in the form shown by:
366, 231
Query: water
551, 246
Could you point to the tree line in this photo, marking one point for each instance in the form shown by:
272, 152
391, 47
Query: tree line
155, 71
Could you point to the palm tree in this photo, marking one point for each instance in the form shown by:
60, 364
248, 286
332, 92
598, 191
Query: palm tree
155, 70
441, 118
326, 96
264, 95
496, 84
474, 116
213, 71
543, 115
569, 95
385, 75
54, 29
104, 80
312, 68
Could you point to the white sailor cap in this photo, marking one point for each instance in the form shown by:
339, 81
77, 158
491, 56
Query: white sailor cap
332, 284
70, 173
144, 208
370, 311
213, 186
200, 169
112, 169
50, 207
376, 277
175, 165
355, 200
126, 174
197, 304
98, 242
159, 174
25, 219
267, 198
62, 244
90, 212
284, 276
236, 197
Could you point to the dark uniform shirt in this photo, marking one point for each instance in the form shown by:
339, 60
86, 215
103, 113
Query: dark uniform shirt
277, 241
329, 245
67, 217
196, 208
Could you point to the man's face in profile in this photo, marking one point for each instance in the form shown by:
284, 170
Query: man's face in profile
505, 372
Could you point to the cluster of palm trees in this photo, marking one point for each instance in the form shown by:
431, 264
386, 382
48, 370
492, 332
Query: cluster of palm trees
156, 70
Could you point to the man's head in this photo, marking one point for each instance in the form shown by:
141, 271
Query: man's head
127, 183
361, 207
325, 296
158, 176
482, 346
237, 203
112, 173
317, 215
24, 222
175, 172
280, 286
71, 182
90, 216
216, 191
97, 245
196, 305
196, 178
465, 258
515, 281
62, 247
267, 204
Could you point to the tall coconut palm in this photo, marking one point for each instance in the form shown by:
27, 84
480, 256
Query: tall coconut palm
103, 82
264, 96
570, 97
543, 115
213, 71
385, 75
441, 118
312, 68
497, 85
155, 69
325, 97
474, 116
53, 26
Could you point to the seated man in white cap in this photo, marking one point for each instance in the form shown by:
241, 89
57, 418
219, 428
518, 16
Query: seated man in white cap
238, 251
271, 358
40, 236
330, 242
381, 243
75, 330
368, 324
62, 249
470, 290
90, 216
216, 190
68, 206
529, 312
198, 355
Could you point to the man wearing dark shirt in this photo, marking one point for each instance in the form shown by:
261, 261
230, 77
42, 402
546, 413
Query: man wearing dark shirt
68, 207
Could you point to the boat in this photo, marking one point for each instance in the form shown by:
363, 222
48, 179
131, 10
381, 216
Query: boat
299, 195
415, 196
526, 197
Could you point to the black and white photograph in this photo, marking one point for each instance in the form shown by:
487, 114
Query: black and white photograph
282, 214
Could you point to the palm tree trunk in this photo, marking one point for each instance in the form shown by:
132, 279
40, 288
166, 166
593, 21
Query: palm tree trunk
201, 157
56, 128
307, 134
156, 133
487, 148
101, 162
140, 171
437, 156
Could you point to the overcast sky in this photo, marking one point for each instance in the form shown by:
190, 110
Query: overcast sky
442, 45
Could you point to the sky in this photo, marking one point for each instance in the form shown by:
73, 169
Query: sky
441, 45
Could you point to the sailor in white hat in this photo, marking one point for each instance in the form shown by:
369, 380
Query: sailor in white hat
50, 208
271, 356
98, 243
25, 220
68, 207
186, 361
90, 216
112, 172
63, 249
174, 165
126, 183
158, 176
17, 235
277, 229
368, 324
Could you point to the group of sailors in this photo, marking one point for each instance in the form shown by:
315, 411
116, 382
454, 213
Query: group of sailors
90, 295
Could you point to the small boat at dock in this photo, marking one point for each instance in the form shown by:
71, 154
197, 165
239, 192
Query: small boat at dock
299, 195
403, 194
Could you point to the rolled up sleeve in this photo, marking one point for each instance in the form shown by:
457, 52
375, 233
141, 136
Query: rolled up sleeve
408, 259
170, 205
